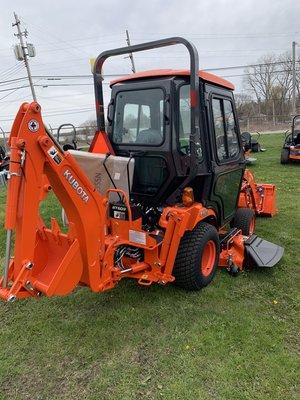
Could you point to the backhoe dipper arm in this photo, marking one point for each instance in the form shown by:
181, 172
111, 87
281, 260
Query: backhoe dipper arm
36, 166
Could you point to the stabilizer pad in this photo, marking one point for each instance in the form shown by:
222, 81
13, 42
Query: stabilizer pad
263, 253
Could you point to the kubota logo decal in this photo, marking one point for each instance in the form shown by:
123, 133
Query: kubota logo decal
75, 185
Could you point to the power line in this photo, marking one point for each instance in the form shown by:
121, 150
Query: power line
217, 35
246, 66
59, 77
251, 74
14, 70
53, 115
1, 98
4, 72
84, 76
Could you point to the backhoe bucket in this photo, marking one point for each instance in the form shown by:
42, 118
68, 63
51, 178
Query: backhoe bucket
56, 267
58, 264
262, 253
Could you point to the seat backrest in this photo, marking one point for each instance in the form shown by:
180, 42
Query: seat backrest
246, 140
297, 138
149, 136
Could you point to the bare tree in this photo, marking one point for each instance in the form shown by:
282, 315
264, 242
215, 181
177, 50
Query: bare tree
261, 78
271, 83
245, 105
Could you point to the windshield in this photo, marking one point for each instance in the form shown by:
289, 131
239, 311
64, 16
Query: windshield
139, 117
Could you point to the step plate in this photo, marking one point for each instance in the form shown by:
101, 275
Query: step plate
263, 253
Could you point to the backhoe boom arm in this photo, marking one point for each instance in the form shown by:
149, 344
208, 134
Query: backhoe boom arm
37, 166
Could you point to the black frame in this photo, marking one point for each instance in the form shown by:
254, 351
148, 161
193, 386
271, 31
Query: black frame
202, 173
237, 156
195, 141
74, 139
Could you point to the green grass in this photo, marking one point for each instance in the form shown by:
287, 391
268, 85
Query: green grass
237, 339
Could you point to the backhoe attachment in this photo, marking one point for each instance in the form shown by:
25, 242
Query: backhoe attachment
46, 260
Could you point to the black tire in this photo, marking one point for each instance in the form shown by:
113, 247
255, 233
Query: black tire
244, 219
255, 147
187, 268
284, 159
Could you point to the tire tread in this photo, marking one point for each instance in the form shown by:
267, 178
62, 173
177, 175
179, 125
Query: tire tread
186, 268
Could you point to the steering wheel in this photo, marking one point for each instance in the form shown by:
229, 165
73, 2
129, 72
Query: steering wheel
185, 149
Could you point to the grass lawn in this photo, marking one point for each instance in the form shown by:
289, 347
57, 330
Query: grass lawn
236, 339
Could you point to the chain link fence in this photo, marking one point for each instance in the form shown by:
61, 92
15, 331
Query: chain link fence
276, 123
85, 134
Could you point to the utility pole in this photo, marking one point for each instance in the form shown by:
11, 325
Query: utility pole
273, 110
24, 47
294, 78
130, 54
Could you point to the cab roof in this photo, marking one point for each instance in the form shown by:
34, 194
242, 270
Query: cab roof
206, 76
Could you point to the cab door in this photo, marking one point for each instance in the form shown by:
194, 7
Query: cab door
227, 158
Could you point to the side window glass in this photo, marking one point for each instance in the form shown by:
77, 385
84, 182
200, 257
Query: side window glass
225, 129
161, 115
184, 119
219, 129
232, 140
145, 122
130, 123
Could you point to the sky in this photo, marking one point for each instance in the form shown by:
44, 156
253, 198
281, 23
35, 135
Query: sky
66, 34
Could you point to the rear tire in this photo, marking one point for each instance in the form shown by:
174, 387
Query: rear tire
197, 257
284, 159
244, 219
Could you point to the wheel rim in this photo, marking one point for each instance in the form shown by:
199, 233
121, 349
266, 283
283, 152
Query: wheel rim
208, 258
252, 226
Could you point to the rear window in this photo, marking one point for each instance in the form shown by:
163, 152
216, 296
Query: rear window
139, 117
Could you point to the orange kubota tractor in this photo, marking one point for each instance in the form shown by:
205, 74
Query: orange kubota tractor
155, 199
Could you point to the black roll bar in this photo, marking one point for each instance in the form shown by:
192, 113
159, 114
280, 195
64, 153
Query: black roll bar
194, 78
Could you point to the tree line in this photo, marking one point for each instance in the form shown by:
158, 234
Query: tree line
268, 88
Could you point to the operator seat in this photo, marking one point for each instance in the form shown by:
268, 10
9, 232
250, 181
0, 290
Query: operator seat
149, 136
149, 171
297, 138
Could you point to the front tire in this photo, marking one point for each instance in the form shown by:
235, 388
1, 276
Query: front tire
197, 257
284, 159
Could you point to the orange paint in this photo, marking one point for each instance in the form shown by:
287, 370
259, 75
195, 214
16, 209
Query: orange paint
49, 262
206, 76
